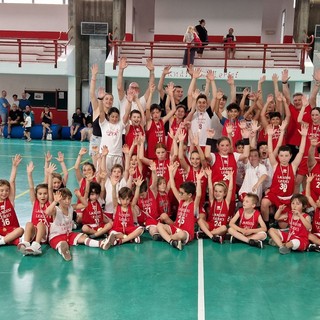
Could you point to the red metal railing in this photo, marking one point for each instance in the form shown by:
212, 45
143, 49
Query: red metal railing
42, 50
121, 48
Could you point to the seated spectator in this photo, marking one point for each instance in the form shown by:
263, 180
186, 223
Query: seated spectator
14, 118
46, 121
230, 39
78, 121
86, 132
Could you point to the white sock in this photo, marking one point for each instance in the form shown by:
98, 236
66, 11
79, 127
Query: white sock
2, 242
91, 243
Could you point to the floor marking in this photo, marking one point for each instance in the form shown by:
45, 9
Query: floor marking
201, 309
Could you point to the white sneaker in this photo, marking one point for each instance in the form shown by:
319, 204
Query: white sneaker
22, 246
65, 251
34, 249
108, 242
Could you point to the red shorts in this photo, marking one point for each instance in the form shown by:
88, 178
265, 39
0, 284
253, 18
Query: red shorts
71, 239
126, 230
303, 167
174, 230
151, 222
303, 241
275, 200
6, 230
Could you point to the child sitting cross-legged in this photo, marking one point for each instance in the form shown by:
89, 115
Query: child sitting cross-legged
251, 228
182, 230
299, 226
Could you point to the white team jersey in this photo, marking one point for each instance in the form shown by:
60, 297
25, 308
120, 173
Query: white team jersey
61, 224
112, 137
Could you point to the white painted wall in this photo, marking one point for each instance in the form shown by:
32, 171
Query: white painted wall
33, 17
247, 17
18, 83
244, 16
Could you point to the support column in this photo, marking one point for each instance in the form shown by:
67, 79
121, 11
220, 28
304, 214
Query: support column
301, 20
119, 19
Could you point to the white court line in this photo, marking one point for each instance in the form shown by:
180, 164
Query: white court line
201, 310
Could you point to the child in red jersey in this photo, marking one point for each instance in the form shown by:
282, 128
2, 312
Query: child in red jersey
251, 228
10, 230
37, 231
299, 226
124, 228
95, 223
314, 235
182, 231
282, 185
155, 131
193, 168
219, 196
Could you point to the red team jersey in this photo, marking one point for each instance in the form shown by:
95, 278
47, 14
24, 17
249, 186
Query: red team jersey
149, 213
236, 132
220, 169
39, 215
282, 183
251, 223
156, 134
315, 183
93, 214
8, 217
174, 127
123, 221
263, 136
316, 222
185, 219
133, 132
163, 204
297, 228
192, 176
218, 215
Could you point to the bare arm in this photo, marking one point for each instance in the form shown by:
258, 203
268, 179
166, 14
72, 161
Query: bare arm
150, 67
15, 163
165, 72
122, 65
30, 168
315, 89
65, 172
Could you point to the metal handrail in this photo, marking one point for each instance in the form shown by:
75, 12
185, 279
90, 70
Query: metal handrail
58, 45
256, 47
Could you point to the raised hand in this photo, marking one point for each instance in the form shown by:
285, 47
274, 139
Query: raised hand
30, 167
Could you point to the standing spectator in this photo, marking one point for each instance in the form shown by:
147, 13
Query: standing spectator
24, 102
231, 47
14, 119
78, 121
203, 35
190, 38
15, 100
46, 121
4, 105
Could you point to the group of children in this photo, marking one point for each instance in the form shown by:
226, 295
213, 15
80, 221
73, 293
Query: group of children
202, 179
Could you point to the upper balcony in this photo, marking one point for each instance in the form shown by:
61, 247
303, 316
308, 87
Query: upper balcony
251, 59
41, 52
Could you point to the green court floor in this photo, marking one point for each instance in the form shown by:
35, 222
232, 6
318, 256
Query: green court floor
150, 280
